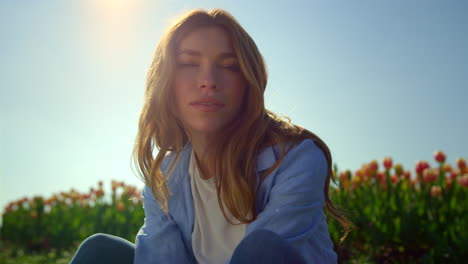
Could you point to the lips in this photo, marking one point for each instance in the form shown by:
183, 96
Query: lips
207, 105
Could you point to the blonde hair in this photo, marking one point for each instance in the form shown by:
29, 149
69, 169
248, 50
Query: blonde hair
254, 128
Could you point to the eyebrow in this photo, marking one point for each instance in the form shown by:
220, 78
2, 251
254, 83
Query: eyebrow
222, 55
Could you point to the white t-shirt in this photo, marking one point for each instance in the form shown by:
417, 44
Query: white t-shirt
213, 238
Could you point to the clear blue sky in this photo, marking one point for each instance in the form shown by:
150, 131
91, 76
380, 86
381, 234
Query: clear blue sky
371, 78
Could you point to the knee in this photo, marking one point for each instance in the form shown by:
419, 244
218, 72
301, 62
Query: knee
98, 238
96, 241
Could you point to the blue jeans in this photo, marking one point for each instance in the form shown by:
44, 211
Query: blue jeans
261, 246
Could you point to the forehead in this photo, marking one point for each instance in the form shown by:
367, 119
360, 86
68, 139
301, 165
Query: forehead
206, 41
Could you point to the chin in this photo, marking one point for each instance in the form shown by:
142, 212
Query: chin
208, 128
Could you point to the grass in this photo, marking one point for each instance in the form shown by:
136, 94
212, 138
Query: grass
19, 256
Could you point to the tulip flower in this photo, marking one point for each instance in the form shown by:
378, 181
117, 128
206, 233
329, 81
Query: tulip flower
374, 166
447, 167
114, 185
430, 175
454, 174
407, 175
461, 163
421, 166
394, 178
387, 162
436, 191
100, 192
448, 183
439, 156
380, 176
120, 206
34, 214
464, 180
343, 176
398, 169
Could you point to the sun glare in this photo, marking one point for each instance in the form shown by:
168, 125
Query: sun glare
109, 24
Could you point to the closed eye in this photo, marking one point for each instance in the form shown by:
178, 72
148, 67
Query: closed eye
231, 67
187, 65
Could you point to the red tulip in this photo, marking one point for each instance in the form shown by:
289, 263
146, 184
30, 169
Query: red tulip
461, 163
387, 162
374, 165
448, 183
430, 175
436, 191
439, 156
454, 174
380, 176
464, 180
421, 166
394, 178
407, 175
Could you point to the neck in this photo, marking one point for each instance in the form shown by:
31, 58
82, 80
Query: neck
204, 147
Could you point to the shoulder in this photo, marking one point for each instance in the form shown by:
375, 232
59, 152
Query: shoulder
305, 163
306, 153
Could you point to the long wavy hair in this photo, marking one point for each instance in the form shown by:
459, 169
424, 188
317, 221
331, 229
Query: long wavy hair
254, 128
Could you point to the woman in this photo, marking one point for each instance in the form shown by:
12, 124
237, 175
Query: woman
232, 182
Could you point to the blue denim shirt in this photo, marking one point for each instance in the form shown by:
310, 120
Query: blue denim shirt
289, 202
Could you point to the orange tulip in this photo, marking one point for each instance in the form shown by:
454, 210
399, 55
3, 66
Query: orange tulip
100, 192
447, 167
34, 214
114, 185
398, 169
120, 206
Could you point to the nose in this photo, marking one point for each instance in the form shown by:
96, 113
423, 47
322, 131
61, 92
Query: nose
208, 79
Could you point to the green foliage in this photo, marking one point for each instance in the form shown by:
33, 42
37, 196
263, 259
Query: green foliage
65, 219
398, 219
403, 220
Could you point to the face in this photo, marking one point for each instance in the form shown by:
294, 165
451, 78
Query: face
208, 84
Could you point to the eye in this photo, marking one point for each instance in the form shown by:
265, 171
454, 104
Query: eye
231, 67
187, 65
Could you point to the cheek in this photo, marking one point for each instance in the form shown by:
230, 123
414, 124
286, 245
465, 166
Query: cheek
237, 91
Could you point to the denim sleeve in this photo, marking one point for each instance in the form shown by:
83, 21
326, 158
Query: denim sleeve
294, 209
159, 239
